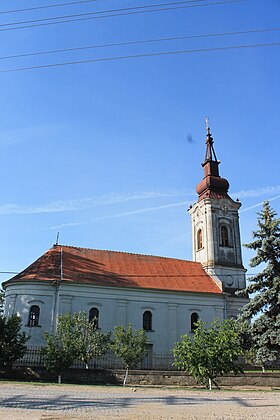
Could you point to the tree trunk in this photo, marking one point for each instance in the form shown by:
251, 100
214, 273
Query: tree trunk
210, 384
59, 379
125, 377
263, 369
86, 366
215, 383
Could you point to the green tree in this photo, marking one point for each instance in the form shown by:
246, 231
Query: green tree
246, 342
90, 342
210, 352
61, 348
264, 288
129, 346
12, 340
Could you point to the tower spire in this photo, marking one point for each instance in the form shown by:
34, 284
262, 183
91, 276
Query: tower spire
212, 185
210, 152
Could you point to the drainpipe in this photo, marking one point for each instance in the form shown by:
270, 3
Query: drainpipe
56, 284
225, 305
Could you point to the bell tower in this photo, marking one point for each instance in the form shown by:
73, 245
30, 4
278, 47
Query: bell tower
215, 227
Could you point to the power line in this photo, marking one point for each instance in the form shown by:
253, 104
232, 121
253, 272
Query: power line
117, 58
139, 42
27, 9
9, 272
191, 275
113, 11
109, 13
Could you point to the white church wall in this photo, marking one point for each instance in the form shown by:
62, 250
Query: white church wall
19, 299
171, 311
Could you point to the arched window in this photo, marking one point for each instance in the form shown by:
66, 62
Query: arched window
194, 319
94, 316
34, 314
199, 239
224, 236
147, 321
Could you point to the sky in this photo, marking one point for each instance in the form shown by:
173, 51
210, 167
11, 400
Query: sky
108, 151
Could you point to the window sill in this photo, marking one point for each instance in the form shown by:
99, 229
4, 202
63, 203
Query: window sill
33, 326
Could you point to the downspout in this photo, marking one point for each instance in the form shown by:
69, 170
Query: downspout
225, 306
56, 284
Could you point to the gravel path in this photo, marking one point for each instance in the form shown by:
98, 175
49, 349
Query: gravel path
53, 402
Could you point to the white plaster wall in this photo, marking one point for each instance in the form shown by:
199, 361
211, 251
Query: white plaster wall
223, 262
233, 306
18, 300
171, 311
231, 277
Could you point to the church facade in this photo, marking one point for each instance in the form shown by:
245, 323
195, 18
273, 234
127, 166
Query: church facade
165, 296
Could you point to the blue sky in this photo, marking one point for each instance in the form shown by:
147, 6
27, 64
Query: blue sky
108, 153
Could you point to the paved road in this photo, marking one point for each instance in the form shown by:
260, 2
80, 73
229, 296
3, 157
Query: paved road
27, 401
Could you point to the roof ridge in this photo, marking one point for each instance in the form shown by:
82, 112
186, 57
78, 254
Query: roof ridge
125, 252
118, 269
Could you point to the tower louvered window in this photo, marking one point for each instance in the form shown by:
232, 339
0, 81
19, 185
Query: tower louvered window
224, 236
199, 239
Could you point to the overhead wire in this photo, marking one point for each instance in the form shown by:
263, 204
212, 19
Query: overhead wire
192, 275
169, 3
8, 272
108, 13
139, 42
28, 9
122, 9
126, 57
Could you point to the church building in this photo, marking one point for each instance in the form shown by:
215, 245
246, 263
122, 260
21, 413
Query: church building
165, 296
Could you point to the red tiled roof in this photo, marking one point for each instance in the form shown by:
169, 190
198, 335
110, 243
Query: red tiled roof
119, 269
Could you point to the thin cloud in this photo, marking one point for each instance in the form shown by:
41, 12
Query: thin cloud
144, 210
258, 204
118, 198
124, 214
258, 192
174, 239
23, 134
86, 203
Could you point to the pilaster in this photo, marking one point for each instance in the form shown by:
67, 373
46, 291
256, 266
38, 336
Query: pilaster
121, 318
172, 324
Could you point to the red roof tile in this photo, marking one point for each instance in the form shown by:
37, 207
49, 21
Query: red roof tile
119, 269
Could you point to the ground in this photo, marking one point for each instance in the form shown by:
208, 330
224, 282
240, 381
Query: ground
65, 402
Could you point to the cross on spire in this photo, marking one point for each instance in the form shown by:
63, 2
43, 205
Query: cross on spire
207, 124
